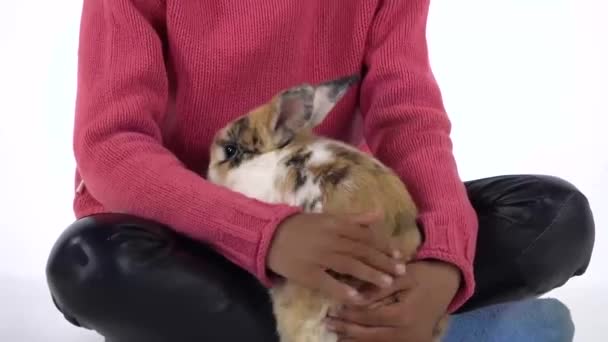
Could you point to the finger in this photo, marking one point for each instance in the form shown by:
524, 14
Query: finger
385, 316
350, 266
373, 235
388, 300
370, 256
359, 333
367, 236
401, 284
367, 218
337, 290
381, 240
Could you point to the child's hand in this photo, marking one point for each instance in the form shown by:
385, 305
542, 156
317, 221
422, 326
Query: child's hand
420, 301
305, 246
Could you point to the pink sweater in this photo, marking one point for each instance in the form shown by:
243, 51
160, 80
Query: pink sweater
157, 78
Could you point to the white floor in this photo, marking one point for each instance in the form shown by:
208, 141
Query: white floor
524, 83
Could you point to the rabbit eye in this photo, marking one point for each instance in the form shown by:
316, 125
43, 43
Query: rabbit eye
230, 150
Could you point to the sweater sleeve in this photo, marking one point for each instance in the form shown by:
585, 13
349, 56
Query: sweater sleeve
122, 96
407, 128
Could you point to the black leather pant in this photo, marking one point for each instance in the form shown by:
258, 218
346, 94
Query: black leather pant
133, 280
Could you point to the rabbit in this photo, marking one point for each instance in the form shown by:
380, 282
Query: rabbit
272, 155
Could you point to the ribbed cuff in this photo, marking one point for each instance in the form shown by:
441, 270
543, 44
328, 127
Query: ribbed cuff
261, 268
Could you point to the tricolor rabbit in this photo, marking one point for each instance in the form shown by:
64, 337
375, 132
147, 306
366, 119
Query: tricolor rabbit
271, 154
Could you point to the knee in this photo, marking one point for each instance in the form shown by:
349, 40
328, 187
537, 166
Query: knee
71, 267
572, 220
564, 245
88, 260
69, 255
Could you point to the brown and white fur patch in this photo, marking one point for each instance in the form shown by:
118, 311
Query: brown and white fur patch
271, 155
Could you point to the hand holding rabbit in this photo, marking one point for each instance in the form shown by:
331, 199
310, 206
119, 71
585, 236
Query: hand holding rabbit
307, 245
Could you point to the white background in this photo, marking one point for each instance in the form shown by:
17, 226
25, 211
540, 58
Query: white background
523, 80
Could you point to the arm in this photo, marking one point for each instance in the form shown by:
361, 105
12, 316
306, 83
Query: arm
121, 100
407, 128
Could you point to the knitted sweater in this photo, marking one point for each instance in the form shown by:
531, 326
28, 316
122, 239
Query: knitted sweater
157, 78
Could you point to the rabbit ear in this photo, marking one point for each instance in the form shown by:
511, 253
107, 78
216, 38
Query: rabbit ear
327, 94
306, 106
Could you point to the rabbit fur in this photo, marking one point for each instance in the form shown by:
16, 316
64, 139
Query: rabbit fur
272, 155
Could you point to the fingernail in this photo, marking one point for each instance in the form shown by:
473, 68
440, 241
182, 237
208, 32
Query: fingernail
400, 269
396, 254
387, 280
356, 296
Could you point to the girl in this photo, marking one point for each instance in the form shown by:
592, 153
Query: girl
160, 254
